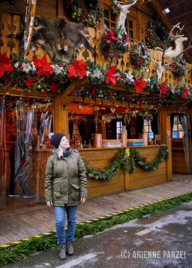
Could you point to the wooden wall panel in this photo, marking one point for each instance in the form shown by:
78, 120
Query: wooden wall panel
147, 181
12, 25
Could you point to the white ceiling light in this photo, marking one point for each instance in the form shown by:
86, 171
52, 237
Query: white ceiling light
167, 10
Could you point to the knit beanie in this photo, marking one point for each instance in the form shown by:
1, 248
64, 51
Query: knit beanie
56, 139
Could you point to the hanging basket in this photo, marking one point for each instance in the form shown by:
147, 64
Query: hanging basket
112, 52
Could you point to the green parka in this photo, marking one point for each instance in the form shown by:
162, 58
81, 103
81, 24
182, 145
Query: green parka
65, 179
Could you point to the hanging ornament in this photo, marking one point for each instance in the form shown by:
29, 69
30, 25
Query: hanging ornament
113, 109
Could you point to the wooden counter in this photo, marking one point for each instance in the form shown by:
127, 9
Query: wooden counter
98, 158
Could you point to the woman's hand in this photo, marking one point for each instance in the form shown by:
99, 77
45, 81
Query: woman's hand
83, 199
50, 203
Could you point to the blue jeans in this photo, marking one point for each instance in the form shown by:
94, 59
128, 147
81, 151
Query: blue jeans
60, 223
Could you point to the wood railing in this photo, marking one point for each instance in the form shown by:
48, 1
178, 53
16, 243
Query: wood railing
11, 25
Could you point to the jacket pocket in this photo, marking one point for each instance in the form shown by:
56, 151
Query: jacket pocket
56, 192
75, 192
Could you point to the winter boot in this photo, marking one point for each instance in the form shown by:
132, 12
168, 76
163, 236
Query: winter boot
70, 249
62, 253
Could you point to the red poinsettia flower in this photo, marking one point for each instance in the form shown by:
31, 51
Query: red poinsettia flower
4, 64
139, 84
164, 89
111, 75
29, 82
77, 68
185, 93
44, 67
110, 35
53, 87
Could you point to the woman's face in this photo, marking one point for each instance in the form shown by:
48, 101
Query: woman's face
64, 143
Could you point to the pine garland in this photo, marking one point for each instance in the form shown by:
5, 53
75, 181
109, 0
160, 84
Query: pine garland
150, 166
28, 76
21, 251
127, 161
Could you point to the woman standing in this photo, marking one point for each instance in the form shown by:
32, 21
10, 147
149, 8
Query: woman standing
65, 188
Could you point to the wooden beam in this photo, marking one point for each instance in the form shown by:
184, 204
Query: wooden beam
185, 103
175, 4
181, 15
60, 9
61, 107
172, 108
167, 23
187, 28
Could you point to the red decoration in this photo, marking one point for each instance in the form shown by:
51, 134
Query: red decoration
93, 93
185, 93
110, 36
8, 80
44, 93
111, 75
4, 64
163, 89
77, 68
139, 84
44, 67
29, 82
139, 101
112, 158
128, 100
53, 87
144, 158
27, 97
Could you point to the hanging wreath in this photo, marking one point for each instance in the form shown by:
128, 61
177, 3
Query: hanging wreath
139, 55
127, 159
156, 35
89, 16
180, 67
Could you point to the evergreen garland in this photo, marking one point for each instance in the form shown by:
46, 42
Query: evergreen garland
150, 166
127, 161
25, 75
21, 251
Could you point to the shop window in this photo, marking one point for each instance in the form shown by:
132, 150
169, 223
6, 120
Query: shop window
148, 129
110, 22
177, 131
109, 19
130, 25
118, 129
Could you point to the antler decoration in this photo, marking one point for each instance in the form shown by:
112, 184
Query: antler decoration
173, 37
122, 11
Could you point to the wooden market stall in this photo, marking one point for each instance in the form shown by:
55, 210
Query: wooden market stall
139, 18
